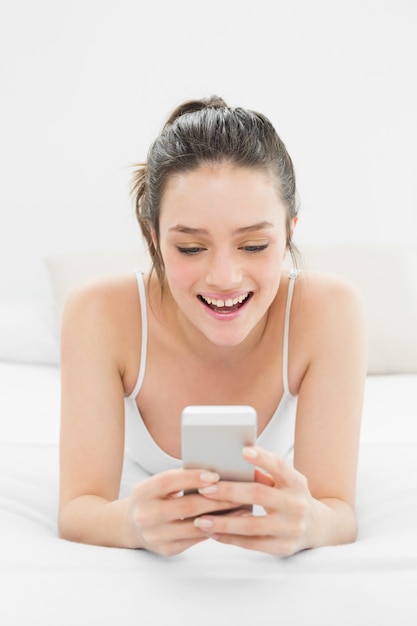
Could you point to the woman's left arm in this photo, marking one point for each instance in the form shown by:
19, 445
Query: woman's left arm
313, 503
329, 411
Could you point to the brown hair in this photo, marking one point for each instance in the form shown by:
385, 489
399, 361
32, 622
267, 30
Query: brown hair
204, 132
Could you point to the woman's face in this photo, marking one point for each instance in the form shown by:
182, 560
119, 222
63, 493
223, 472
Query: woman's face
222, 239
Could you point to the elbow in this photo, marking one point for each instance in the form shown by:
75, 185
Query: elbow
354, 531
64, 528
67, 526
339, 524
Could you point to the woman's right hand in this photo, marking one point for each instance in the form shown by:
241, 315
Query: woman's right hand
163, 512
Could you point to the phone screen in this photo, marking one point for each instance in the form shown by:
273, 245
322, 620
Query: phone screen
213, 438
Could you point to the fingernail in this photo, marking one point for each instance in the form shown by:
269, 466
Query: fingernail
250, 452
203, 523
209, 477
209, 489
177, 494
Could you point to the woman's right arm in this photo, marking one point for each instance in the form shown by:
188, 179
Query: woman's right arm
93, 361
92, 417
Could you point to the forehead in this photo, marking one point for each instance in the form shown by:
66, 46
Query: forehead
222, 191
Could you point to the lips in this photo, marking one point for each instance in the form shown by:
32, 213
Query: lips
227, 305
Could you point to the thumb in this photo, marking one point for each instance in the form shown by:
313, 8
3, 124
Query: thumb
264, 478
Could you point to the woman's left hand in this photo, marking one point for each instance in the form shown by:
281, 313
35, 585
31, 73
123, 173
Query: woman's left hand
283, 493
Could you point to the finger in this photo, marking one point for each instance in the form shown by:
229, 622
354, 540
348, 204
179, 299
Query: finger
246, 524
153, 513
242, 523
278, 546
264, 478
173, 546
238, 493
176, 547
194, 505
174, 482
173, 532
283, 474
288, 501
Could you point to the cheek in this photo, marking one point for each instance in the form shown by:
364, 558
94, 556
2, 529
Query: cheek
178, 272
270, 275
272, 266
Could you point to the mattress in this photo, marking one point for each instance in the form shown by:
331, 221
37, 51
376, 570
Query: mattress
48, 581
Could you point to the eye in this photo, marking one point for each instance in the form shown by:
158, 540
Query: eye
255, 248
192, 250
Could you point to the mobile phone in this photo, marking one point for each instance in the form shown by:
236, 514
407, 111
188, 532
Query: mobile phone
213, 438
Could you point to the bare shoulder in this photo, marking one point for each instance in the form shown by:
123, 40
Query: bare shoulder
102, 297
328, 320
100, 322
323, 295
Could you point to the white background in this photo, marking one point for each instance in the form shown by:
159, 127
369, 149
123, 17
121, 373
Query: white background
85, 85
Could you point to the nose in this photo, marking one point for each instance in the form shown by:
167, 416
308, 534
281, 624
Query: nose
224, 271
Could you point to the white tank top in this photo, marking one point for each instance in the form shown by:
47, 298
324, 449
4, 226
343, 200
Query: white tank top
277, 436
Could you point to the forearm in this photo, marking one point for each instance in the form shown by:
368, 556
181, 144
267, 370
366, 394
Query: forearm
333, 522
96, 521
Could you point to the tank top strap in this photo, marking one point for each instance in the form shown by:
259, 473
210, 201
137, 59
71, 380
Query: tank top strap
143, 350
293, 274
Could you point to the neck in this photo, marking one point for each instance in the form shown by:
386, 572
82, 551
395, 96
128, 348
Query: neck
194, 341
217, 355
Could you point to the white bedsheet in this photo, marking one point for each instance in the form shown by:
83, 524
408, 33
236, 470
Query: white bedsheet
48, 581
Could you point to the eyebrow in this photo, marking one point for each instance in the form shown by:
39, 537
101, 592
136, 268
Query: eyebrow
180, 228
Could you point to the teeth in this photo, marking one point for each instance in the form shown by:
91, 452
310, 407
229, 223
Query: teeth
229, 302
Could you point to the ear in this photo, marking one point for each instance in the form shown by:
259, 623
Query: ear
154, 240
293, 225
291, 228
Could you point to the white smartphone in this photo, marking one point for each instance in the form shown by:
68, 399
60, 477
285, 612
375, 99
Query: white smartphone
213, 438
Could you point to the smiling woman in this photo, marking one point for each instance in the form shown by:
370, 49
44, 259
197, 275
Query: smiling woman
219, 322
229, 245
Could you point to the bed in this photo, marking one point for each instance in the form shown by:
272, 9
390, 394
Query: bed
48, 581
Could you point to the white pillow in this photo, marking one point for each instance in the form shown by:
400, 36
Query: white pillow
28, 331
68, 270
386, 276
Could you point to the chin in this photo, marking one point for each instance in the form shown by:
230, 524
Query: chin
227, 337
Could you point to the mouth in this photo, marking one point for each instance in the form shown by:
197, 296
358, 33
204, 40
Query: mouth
229, 305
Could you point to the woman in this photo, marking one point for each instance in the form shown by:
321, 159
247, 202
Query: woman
219, 321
